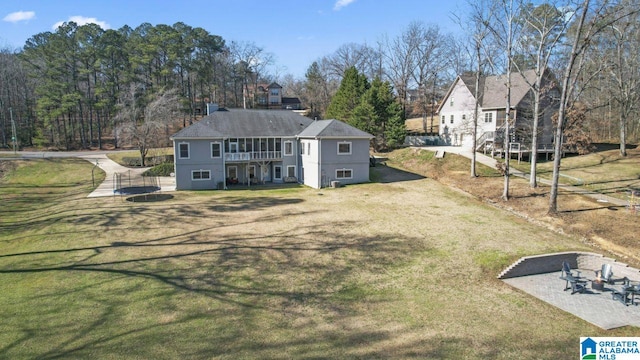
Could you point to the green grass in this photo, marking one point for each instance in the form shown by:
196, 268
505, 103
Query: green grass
605, 172
120, 156
396, 270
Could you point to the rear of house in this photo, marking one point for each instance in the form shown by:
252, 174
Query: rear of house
268, 146
334, 151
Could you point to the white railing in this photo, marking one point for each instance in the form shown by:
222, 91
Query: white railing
253, 155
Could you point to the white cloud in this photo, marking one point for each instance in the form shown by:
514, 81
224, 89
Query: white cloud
83, 20
14, 17
341, 3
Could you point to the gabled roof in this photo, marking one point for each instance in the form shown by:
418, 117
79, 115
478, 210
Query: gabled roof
246, 123
493, 89
274, 85
494, 94
333, 129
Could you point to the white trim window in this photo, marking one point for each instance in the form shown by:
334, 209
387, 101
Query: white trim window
344, 148
344, 174
443, 117
277, 172
309, 148
451, 120
302, 148
488, 117
216, 150
291, 171
200, 175
288, 148
184, 150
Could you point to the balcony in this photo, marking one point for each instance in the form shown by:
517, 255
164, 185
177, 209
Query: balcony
253, 155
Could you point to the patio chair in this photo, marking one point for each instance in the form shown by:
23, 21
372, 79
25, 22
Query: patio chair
605, 273
623, 294
573, 282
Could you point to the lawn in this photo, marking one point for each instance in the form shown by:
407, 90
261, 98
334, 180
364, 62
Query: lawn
604, 172
394, 269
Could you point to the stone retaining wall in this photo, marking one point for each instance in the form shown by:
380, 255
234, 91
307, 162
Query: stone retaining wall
540, 264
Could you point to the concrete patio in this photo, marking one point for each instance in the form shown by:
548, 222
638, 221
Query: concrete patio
535, 276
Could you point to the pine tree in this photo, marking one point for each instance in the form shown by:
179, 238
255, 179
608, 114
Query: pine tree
347, 98
380, 115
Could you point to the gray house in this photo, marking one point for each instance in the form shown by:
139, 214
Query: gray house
268, 146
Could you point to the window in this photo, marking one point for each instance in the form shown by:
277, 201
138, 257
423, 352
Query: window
451, 120
451, 102
301, 148
464, 117
275, 92
344, 174
183, 150
344, 148
200, 175
277, 172
443, 119
488, 117
288, 148
216, 150
291, 171
232, 172
308, 148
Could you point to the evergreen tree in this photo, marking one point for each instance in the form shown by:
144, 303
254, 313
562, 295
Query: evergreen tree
347, 98
380, 114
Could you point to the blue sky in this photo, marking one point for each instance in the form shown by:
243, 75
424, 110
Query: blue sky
296, 32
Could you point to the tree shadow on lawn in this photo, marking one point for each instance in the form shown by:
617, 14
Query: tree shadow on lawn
127, 215
279, 273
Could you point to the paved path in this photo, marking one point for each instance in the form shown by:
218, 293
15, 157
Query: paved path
100, 158
491, 162
110, 167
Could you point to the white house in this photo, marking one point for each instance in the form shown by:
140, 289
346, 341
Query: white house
456, 111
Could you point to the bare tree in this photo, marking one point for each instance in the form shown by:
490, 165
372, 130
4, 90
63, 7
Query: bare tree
592, 20
480, 15
399, 58
543, 28
623, 66
361, 56
145, 126
251, 62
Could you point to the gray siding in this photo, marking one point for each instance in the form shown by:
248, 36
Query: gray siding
199, 159
357, 161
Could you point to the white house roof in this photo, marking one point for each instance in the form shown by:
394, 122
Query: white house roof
332, 129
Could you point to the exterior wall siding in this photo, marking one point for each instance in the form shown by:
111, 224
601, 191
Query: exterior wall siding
199, 159
357, 161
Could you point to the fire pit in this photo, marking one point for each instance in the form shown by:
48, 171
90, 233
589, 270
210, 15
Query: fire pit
597, 285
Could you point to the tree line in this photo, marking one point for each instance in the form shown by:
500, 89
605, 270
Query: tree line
72, 87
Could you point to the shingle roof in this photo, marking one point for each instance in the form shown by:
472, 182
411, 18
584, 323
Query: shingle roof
494, 94
246, 123
333, 128
493, 89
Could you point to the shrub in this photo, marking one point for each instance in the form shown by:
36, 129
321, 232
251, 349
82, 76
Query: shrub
160, 170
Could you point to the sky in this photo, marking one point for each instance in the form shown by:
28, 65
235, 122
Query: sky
295, 32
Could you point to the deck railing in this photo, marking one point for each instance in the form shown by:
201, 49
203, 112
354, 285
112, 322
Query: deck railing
253, 155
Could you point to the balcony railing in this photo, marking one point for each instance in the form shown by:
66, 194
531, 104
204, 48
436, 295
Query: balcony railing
253, 155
